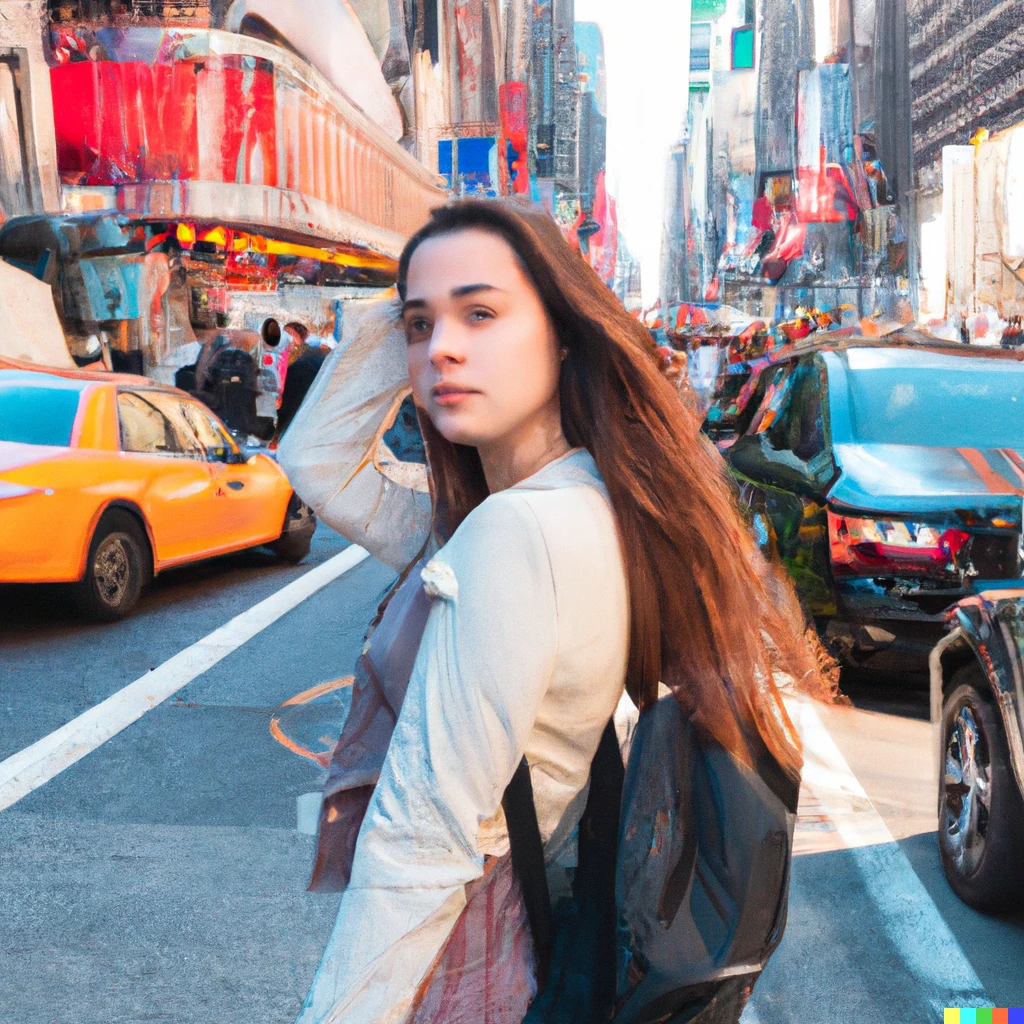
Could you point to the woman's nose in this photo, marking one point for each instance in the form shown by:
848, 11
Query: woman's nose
445, 344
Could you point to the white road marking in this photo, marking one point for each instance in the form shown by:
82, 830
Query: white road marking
307, 812
930, 952
34, 766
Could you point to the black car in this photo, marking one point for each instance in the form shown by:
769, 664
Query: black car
888, 479
978, 711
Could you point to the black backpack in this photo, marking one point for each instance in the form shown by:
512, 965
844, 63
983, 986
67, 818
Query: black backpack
677, 906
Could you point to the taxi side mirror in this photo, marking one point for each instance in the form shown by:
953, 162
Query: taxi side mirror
222, 453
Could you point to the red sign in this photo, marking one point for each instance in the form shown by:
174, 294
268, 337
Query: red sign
515, 174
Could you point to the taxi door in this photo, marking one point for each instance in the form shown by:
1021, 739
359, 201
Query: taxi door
177, 489
255, 491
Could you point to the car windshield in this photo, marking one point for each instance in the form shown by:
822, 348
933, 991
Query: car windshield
927, 398
34, 414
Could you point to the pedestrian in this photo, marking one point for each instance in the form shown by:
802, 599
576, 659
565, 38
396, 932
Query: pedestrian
584, 543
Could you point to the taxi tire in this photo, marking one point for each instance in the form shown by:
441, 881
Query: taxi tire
293, 547
297, 532
123, 530
996, 884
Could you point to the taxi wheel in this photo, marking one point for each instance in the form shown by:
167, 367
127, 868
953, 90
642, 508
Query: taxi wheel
297, 534
116, 568
981, 811
293, 547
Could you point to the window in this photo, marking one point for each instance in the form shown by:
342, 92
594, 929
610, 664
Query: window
444, 161
924, 398
809, 439
431, 30
152, 423
467, 164
194, 11
700, 46
207, 429
799, 427
777, 386
743, 48
748, 401
30, 414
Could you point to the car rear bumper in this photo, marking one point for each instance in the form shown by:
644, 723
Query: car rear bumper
889, 624
885, 645
42, 539
885, 622
873, 599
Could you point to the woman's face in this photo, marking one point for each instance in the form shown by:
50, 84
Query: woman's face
483, 354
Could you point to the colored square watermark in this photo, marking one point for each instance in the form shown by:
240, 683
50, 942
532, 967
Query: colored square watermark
983, 1015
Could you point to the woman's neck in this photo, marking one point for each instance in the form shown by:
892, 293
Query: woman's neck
511, 459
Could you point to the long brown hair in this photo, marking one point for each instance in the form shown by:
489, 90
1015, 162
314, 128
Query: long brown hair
707, 617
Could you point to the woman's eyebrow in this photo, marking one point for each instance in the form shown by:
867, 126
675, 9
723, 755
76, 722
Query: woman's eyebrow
456, 293
469, 289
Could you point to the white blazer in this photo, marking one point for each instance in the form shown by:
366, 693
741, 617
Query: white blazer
524, 651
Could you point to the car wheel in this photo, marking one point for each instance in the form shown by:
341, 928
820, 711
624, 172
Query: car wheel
297, 534
981, 811
116, 569
293, 548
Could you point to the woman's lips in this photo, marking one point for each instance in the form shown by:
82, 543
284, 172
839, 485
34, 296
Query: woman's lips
451, 394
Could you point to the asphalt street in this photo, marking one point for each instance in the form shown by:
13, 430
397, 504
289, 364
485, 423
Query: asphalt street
161, 876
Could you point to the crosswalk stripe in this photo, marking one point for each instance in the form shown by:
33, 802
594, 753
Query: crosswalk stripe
35, 765
930, 952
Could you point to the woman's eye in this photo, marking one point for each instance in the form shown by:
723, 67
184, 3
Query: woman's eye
417, 327
478, 315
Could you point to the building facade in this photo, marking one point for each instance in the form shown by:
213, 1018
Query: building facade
845, 206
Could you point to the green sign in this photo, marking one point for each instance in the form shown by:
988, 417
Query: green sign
742, 48
707, 10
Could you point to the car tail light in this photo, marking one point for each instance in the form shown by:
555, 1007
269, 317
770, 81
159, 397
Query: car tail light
892, 544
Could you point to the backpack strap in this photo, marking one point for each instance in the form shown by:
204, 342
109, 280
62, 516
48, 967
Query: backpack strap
581, 966
678, 883
528, 863
594, 882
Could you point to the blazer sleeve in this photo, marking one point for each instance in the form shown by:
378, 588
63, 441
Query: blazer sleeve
484, 664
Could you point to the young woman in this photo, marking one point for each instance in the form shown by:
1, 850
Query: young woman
585, 542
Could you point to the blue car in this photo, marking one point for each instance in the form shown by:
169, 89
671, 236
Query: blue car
888, 478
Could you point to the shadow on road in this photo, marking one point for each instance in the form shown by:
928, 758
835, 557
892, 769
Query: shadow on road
47, 609
905, 695
28, 603
994, 944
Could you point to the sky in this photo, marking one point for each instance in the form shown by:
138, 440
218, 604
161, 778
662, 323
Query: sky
647, 45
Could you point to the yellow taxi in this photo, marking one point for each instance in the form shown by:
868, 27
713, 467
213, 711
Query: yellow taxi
108, 479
